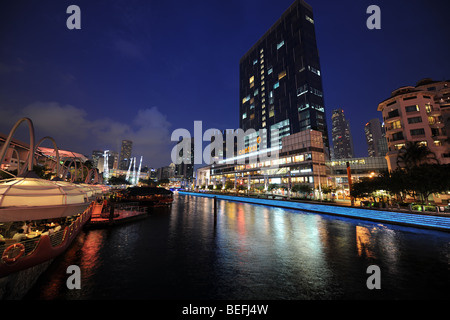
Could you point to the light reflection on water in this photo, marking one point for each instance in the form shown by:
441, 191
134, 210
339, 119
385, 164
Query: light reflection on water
251, 252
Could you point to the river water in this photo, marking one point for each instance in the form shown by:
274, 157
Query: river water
250, 252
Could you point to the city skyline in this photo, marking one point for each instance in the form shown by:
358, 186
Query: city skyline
132, 73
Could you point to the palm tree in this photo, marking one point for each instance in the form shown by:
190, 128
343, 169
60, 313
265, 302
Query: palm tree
413, 154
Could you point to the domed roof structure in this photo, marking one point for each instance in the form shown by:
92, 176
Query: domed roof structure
34, 198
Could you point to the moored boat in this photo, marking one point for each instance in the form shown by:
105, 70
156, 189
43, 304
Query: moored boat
109, 214
38, 221
147, 196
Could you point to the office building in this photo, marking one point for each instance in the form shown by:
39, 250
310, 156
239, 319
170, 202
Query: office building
125, 154
375, 138
416, 114
184, 168
280, 79
301, 160
341, 135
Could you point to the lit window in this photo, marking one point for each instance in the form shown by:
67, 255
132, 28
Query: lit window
412, 108
270, 70
314, 70
244, 116
256, 92
279, 45
255, 61
309, 19
246, 99
252, 79
264, 124
281, 75
276, 85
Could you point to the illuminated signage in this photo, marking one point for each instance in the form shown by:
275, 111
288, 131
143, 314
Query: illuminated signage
251, 148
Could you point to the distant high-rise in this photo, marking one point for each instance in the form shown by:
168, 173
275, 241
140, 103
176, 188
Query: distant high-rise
376, 138
280, 78
185, 169
341, 135
125, 154
96, 156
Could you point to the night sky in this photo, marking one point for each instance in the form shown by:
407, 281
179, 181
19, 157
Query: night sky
141, 69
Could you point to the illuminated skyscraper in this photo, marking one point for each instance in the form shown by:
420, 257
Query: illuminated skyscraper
376, 139
280, 78
125, 154
341, 135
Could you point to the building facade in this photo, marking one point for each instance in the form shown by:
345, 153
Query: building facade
375, 138
301, 160
341, 135
359, 167
417, 114
280, 84
125, 154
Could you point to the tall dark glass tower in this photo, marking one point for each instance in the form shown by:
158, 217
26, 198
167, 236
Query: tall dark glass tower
341, 135
125, 154
280, 78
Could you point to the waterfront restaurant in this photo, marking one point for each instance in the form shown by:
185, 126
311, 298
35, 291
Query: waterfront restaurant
300, 160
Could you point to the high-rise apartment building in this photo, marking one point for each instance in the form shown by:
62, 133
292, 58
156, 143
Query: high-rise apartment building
280, 78
375, 138
125, 154
341, 135
417, 114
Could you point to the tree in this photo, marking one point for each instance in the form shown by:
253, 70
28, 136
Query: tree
328, 189
362, 189
229, 185
164, 181
118, 180
422, 180
428, 179
303, 188
413, 154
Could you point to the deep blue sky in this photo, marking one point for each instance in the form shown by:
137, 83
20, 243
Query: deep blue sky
140, 69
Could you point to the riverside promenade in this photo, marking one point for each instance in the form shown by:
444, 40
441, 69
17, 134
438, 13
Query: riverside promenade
418, 220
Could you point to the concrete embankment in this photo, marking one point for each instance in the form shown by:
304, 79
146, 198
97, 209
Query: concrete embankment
400, 218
